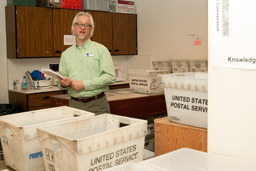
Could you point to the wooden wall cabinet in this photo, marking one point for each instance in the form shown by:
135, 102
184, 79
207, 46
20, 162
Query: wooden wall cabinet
62, 21
28, 32
37, 32
103, 29
125, 34
118, 32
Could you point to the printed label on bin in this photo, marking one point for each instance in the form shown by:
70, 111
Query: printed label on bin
139, 82
153, 85
49, 155
114, 158
36, 155
56, 145
51, 167
197, 104
187, 107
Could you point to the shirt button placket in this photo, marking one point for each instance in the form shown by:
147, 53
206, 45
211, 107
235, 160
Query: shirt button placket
81, 54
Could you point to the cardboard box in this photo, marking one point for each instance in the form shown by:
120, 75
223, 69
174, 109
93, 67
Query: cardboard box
122, 6
22, 2
49, 3
72, 4
68, 4
98, 5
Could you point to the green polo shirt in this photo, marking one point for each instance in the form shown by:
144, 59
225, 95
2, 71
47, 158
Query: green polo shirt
91, 63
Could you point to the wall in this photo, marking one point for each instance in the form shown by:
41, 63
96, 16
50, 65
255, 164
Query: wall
167, 29
3, 61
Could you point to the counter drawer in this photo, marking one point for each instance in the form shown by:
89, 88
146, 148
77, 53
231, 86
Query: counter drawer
41, 100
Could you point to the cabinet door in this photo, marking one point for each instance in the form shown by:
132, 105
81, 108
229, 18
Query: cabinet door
41, 100
34, 32
19, 99
62, 22
103, 28
124, 34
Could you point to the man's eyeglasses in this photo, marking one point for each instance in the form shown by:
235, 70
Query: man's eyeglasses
80, 25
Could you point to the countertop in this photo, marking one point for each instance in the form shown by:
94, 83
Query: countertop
116, 94
54, 88
32, 91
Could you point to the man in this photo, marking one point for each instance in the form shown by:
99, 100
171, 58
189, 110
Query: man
87, 68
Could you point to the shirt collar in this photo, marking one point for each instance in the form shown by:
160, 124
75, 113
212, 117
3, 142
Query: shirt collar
86, 44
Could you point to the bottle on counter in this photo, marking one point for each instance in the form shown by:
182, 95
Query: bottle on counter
24, 83
14, 84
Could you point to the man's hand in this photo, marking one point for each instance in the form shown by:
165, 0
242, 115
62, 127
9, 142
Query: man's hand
65, 82
77, 85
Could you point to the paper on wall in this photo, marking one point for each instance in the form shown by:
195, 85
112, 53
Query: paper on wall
232, 33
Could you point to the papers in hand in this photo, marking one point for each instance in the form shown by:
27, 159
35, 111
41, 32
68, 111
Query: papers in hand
51, 72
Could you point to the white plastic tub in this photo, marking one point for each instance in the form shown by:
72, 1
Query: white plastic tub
146, 81
21, 147
92, 144
162, 65
179, 66
186, 96
186, 159
198, 65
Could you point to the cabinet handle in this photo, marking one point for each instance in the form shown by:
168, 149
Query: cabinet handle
116, 50
46, 97
57, 51
110, 50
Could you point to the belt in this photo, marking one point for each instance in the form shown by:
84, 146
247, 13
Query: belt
88, 99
